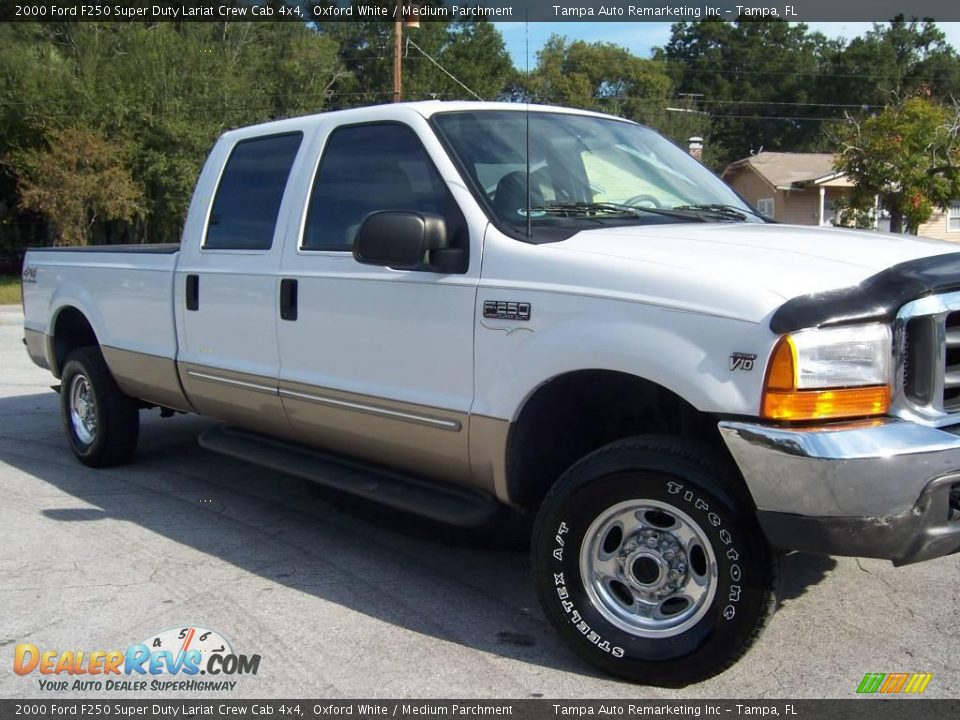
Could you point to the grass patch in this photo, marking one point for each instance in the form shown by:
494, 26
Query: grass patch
9, 290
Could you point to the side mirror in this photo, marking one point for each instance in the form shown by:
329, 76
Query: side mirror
398, 238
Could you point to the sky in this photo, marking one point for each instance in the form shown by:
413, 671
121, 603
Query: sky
640, 37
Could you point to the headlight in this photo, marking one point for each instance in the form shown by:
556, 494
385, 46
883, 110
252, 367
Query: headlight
839, 372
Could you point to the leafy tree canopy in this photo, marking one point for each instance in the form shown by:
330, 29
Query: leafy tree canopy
779, 86
472, 52
78, 179
165, 91
908, 155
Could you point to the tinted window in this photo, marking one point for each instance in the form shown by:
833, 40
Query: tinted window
367, 168
247, 203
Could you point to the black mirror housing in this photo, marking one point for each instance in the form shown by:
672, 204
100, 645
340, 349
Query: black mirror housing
399, 239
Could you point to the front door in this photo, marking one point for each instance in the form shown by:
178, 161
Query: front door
378, 362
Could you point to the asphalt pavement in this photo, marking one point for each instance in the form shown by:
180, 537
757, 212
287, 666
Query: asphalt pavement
348, 600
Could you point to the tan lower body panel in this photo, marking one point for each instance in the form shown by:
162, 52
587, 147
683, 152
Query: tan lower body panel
37, 343
438, 443
147, 377
247, 401
424, 440
488, 454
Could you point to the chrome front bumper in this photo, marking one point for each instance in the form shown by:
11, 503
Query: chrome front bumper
876, 489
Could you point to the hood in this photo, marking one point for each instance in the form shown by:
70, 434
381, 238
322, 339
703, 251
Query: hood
783, 260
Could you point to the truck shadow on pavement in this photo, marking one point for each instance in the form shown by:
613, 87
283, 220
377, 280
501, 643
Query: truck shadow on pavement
236, 523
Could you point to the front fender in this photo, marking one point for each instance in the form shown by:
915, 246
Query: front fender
686, 353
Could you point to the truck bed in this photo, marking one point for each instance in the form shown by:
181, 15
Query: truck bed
124, 291
140, 249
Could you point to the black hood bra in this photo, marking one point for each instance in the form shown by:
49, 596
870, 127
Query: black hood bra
878, 298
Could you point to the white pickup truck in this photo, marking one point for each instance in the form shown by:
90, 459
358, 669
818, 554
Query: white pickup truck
494, 305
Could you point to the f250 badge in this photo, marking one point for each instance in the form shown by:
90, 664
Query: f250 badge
742, 361
506, 310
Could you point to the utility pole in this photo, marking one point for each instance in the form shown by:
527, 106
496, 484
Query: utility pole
397, 53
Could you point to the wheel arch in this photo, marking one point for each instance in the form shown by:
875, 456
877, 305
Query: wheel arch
70, 329
577, 412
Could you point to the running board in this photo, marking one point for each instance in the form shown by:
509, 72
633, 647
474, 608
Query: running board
447, 504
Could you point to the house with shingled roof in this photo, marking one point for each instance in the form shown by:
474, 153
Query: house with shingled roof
801, 189
796, 188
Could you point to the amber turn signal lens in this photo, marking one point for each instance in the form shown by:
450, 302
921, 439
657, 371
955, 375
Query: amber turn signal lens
825, 404
782, 374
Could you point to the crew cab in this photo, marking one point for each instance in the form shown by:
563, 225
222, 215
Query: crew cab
461, 308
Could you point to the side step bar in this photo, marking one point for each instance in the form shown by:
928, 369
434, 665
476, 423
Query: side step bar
451, 505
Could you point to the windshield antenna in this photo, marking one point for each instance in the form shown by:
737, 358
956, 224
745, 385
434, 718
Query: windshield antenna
526, 27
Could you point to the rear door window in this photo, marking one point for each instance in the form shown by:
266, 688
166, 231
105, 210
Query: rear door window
247, 203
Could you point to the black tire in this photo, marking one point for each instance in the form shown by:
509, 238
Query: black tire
671, 473
117, 417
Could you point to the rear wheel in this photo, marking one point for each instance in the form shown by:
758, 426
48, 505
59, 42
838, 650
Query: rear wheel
649, 566
101, 422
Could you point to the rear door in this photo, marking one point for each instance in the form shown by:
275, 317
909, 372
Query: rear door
227, 285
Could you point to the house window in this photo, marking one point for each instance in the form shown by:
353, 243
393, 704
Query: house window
765, 206
953, 216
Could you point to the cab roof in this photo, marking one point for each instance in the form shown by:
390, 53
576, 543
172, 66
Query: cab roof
396, 111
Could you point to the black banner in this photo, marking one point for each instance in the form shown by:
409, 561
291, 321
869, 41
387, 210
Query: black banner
858, 709
464, 10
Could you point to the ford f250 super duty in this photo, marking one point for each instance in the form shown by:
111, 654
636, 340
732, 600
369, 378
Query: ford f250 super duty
499, 306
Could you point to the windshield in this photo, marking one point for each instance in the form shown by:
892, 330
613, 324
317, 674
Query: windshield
584, 172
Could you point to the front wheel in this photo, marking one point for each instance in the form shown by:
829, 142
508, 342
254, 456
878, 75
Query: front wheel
649, 566
102, 423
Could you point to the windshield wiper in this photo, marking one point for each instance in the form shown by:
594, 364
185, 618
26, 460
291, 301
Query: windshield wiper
585, 208
726, 211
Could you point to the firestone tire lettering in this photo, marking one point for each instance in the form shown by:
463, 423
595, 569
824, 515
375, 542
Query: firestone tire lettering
669, 472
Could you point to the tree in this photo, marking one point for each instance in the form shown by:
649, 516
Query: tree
607, 78
779, 86
476, 54
908, 155
758, 81
893, 59
78, 179
164, 91
598, 76
473, 52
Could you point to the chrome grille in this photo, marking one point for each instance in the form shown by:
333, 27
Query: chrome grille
951, 376
927, 347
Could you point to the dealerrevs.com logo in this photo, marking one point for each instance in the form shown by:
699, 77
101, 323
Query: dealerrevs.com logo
179, 659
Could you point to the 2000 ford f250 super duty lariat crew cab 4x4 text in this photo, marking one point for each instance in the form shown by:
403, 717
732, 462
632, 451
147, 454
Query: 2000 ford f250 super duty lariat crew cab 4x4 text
549, 310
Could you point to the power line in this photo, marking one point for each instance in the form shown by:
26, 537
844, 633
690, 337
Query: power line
780, 117
792, 73
785, 103
652, 101
442, 68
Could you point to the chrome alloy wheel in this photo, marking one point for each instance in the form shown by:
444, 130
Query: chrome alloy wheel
649, 568
83, 409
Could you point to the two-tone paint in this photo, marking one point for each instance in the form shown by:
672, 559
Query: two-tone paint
401, 367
